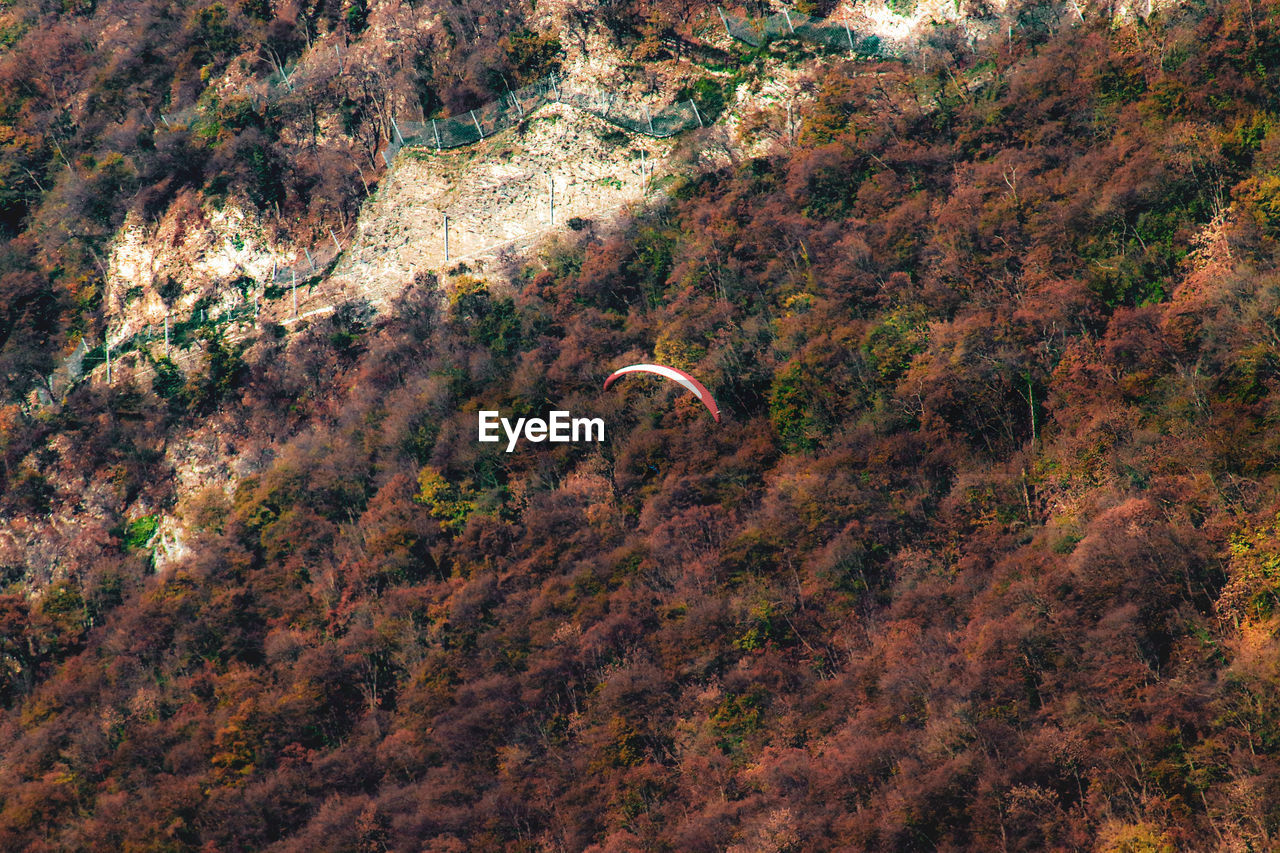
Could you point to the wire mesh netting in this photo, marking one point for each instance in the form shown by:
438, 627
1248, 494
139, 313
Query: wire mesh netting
311, 264
796, 25
635, 117
512, 108
472, 126
180, 118
286, 281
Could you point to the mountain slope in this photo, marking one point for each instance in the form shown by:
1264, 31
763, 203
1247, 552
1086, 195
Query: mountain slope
983, 555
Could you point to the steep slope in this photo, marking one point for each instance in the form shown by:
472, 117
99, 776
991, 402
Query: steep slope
982, 556
496, 196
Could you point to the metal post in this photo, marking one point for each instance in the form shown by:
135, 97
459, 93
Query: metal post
512, 96
436, 131
386, 159
649, 118
849, 35
479, 129
446, 238
309, 260
555, 85
294, 287
787, 15
336, 244
725, 21
396, 127
696, 114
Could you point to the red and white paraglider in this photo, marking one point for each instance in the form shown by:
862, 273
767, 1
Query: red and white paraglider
690, 384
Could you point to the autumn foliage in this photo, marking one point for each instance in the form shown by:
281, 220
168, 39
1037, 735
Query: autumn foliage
985, 554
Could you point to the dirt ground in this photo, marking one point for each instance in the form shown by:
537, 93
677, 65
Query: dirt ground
497, 195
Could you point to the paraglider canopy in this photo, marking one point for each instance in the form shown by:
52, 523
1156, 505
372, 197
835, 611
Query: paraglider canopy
690, 384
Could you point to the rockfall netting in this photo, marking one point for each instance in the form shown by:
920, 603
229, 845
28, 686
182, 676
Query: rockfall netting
816, 30
513, 107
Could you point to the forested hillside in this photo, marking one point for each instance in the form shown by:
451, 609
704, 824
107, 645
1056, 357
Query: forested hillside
132, 106
985, 553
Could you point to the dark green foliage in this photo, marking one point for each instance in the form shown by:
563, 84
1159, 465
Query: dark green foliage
139, 532
357, 16
212, 33
709, 94
31, 492
349, 322
532, 55
491, 322
222, 370
266, 186
257, 9
791, 403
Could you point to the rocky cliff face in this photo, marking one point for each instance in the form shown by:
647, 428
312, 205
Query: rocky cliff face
500, 198
198, 252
